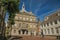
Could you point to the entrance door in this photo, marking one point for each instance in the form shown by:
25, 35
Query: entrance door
24, 30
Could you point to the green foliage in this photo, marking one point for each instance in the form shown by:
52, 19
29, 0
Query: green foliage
12, 7
3, 38
11, 18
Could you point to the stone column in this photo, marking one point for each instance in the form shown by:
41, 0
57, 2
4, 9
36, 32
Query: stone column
21, 32
35, 33
25, 33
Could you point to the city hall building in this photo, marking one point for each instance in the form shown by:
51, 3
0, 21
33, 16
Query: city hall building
51, 24
26, 23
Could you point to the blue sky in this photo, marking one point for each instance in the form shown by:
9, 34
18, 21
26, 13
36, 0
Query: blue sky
41, 8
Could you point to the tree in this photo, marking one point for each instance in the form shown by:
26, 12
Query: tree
11, 6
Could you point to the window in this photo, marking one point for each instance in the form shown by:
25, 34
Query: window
44, 25
45, 31
59, 20
51, 23
41, 31
7, 32
55, 21
26, 32
19, 31
14, 31
47, 24
58, 13
52, 30
57, 31
48, 31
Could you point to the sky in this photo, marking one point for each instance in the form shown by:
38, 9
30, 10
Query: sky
41, 8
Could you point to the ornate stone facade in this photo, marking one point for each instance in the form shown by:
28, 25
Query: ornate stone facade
25, 24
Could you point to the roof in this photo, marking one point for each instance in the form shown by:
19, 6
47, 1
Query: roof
27, 13
52, 17
24, 12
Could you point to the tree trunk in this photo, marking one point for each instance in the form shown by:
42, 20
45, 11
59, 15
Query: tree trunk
2, 26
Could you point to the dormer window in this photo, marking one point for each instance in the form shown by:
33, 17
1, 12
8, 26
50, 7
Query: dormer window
46, 18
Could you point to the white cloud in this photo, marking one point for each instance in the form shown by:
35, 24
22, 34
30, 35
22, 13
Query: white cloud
38, 7
30, 4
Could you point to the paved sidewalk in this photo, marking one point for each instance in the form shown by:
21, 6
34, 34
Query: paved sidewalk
38, 38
